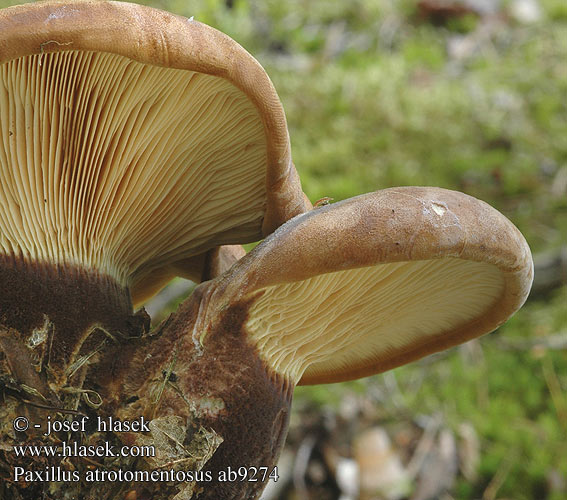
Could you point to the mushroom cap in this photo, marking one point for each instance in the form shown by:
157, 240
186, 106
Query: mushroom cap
202, 267
134, 139
376, 281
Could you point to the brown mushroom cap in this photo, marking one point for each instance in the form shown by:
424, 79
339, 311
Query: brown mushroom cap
376, 281
133, 139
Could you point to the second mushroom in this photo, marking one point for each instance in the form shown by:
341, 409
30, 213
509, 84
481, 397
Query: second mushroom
341, 292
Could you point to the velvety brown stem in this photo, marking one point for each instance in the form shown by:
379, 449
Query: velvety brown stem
217, 382
63, 311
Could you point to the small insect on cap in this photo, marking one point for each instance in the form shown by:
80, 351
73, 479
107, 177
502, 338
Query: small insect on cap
373, 282
134, 138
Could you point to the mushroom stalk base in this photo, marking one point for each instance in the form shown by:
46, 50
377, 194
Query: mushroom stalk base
214, 409
217, 383
64, 314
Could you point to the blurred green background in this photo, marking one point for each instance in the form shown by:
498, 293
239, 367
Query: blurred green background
464, 95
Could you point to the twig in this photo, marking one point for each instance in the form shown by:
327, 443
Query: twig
498, 480
555, 342
554, 386
550, 272
393, 388
157, 400
301, 462
424, 446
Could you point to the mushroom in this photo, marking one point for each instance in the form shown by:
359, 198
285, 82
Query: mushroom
341, 292
133, 141
138, 145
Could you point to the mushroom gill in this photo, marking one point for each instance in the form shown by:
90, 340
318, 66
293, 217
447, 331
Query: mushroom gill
119, 166
334, 321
